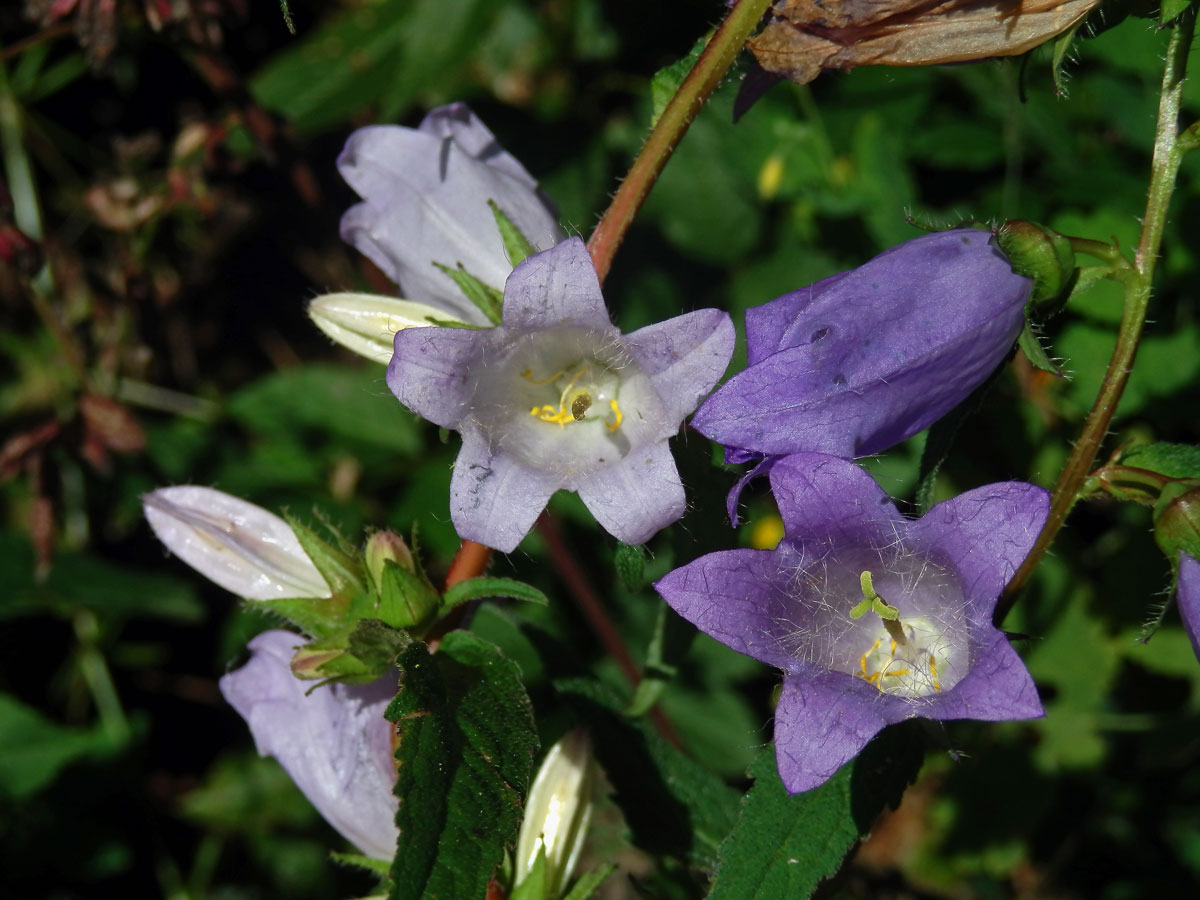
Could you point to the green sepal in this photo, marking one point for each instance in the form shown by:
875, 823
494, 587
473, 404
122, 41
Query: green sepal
406, 599
478, 588
486, 298
1031, 346
360, 653
589, 882
1177, 521
1044, 255
533, 885
454, 323
1144, 473
342, 572
630, 561
318, 617
1062, 44
516, 245
380, 867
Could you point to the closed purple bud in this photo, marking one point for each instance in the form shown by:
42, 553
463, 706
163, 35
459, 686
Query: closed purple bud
866, 358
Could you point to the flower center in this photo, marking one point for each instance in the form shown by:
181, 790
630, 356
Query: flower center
905, 655
586, 392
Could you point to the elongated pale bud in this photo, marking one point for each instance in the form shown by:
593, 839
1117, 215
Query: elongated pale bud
366, 323
238, 545
558, 812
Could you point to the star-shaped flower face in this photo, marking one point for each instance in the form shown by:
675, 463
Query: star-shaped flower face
426, 192
864, 359
556, 397
333, 739
872, 617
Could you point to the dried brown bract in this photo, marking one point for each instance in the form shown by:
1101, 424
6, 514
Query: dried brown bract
805, 37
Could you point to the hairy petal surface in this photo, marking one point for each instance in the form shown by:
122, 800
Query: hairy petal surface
333, 741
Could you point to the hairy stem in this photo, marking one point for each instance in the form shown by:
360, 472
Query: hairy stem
1164, 165
697, 87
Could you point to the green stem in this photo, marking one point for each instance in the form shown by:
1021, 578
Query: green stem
699, 84
1164, 166
98, 678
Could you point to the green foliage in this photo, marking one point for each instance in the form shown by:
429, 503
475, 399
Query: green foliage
486, 298
478, 588
465, 756
33, 750
784, 846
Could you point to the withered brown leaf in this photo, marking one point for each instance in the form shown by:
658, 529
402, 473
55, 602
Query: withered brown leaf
806, 37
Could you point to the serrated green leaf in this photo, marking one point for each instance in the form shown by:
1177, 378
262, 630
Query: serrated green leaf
1172, 460
516, 246
630, 561
478, 588
33, 750
784, 846
673, 805
486, 298
467, 742
667, 80
380, 867
589, 882
1032, 347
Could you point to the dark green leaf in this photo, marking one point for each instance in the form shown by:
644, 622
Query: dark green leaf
77, 580
673, 805
349, 403
467, 741
478, 588
1172, 460
630, 560
783, 846
667, 80
380, 867
33, 749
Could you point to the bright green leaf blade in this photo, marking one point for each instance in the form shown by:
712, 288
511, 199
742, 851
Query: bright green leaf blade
783, 846
380, 867
667, 80
467, 742
1032, 347
33, 749
478, 588
1172, 460
516, 245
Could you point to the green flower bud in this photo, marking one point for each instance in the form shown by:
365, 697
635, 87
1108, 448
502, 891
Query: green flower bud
1177, 521
384, 547
1043, 255
557, 813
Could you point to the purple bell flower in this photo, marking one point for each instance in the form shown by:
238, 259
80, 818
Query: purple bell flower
864, 359
557, 398
1187, 593
426, 193
333, 741
873, 618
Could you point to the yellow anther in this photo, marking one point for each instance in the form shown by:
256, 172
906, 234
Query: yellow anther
897, 674
863, 661
933, 675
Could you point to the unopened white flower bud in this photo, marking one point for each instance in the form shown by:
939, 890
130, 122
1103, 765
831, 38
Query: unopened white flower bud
367, 323
558, 812
238, 545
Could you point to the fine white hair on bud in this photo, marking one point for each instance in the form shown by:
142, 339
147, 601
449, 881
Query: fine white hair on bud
238, 545
367, 323
558, 812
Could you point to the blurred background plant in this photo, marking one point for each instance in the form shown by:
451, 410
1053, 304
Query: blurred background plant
171, 203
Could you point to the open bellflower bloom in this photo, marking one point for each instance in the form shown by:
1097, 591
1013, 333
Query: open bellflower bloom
240, 546
556, 397
425, 197
873, 618
1187, 593
866, 358
332, 740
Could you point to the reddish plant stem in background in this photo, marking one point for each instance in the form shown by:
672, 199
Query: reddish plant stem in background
469, 562
1164, 166
597, 616
697, 87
